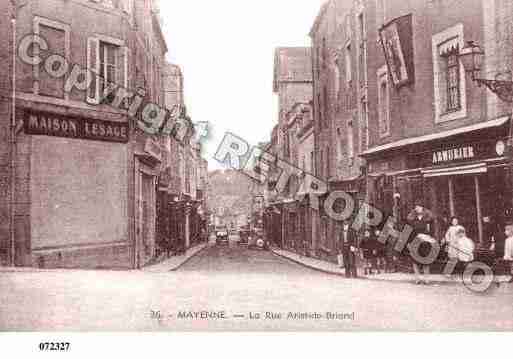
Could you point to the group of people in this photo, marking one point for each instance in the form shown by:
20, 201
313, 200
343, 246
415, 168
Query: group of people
378, 257
381, 257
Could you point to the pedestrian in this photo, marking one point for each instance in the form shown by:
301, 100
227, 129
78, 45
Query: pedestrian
348, 243
340, 253
450, 240
380, 252
391, 256
421, 220
508, 248
366, 247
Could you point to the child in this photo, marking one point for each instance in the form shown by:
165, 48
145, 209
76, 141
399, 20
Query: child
465, 245
451, 239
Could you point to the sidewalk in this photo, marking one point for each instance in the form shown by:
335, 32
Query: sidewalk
332, 268
175, 262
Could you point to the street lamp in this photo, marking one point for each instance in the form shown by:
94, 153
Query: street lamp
471, 56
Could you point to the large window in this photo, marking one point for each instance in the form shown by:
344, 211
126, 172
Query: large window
108, 59
47, 82
108, 64
453, 81
363, 50
383, 102
449, 75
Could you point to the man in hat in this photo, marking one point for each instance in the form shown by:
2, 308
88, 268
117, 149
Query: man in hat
421, 220
348, 247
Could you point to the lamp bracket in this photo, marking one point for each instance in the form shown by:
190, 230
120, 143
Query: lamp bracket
503, 89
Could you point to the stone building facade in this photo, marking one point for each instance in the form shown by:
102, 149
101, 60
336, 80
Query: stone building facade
86, 174
444, 137
7, 27
397, 120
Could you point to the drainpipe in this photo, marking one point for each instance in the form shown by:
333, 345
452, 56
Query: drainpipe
13, 142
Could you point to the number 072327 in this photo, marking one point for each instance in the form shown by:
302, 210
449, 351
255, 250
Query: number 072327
54, 347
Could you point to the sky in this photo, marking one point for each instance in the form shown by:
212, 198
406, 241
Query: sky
226, 51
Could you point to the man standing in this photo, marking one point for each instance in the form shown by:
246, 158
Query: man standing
421, 220
348, 247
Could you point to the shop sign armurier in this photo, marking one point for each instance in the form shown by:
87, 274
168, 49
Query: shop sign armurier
467, 152
74, 127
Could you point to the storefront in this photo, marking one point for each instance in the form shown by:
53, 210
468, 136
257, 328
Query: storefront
274, 224
463, 173
148, 157
72, 191
290, 228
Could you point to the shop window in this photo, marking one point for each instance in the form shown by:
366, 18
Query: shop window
449, 75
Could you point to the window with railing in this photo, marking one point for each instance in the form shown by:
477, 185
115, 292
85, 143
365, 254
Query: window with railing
453, 81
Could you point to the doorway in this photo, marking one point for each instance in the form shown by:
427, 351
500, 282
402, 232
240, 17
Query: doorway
465, 204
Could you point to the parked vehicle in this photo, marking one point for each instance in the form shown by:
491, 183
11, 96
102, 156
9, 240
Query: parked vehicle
244, 235
257, 241
222, 235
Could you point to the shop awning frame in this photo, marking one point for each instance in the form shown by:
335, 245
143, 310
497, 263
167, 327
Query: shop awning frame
477, 168
436, 136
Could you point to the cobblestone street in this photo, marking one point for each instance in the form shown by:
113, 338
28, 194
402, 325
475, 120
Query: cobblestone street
245, 284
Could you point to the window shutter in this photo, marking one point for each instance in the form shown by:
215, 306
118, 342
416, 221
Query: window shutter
123, 66
93, 64
442, 84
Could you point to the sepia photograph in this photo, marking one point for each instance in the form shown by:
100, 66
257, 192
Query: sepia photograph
313, 166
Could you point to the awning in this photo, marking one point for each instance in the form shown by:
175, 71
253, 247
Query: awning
458, 170
436, 136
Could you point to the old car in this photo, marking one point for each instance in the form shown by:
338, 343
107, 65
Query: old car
244, 235
222, 235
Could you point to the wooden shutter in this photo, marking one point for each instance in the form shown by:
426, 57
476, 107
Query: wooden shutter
122, 67
93, 65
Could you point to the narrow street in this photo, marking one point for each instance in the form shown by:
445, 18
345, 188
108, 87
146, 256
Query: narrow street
240, 285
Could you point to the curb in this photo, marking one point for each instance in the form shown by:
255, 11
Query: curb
174, 269
64, 270
408, 281
311, 267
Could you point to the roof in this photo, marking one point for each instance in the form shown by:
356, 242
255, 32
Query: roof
292, 64
436, 136
319, 19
